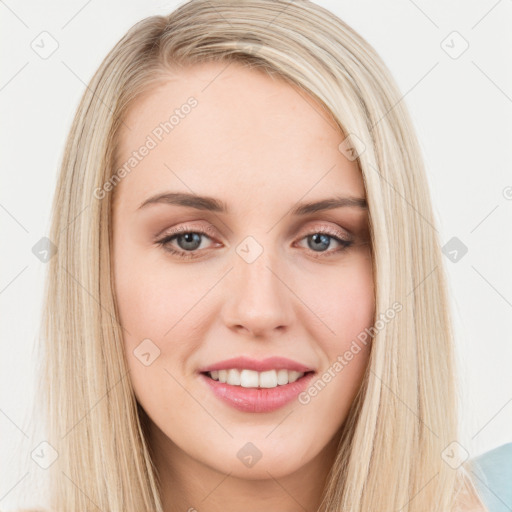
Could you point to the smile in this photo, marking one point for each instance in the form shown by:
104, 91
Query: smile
257, 392
253, 379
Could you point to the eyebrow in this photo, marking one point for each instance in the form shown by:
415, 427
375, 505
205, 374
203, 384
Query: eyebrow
216, 205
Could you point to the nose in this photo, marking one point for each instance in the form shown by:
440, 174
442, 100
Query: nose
259, 298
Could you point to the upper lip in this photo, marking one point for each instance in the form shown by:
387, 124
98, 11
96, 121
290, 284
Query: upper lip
271, 363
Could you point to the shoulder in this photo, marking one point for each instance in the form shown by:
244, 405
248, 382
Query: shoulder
492, 474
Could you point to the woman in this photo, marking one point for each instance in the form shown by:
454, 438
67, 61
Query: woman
248, 306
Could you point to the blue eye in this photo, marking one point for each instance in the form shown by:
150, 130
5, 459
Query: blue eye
190, 241
323, 240
190, 245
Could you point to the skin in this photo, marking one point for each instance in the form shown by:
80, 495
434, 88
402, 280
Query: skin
261, 146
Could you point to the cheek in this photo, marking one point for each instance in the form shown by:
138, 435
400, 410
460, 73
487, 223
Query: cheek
149, 307
158, 312
164, 307
345, 304
344, 301
149, 296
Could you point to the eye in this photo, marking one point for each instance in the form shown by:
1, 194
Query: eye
189, 243
321, 239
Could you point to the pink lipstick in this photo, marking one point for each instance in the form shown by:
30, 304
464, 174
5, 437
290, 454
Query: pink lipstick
257, 386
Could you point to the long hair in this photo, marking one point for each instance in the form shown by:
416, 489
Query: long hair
391, 454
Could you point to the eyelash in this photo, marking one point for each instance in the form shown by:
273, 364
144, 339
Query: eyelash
345, 244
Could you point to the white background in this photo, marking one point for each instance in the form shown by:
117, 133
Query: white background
462, 110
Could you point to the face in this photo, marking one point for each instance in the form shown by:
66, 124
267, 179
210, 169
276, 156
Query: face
245, 275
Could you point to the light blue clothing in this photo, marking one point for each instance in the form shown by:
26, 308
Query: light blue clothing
492, 473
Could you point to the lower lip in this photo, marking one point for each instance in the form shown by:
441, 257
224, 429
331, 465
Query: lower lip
258, 399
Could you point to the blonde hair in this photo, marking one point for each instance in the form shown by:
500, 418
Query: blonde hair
390, 453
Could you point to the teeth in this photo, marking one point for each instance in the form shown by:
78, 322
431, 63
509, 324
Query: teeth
252, 379
267, 379
282, 377
248, 378
234, 377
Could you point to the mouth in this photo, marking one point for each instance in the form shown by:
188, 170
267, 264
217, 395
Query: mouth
256, 392
252, 379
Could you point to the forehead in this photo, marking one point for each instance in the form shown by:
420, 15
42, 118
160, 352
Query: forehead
247, 135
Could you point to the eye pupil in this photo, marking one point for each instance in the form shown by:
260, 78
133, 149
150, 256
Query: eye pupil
320, 238
190, 238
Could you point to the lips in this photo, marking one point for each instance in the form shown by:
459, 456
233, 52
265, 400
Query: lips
257, 400
271, 363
